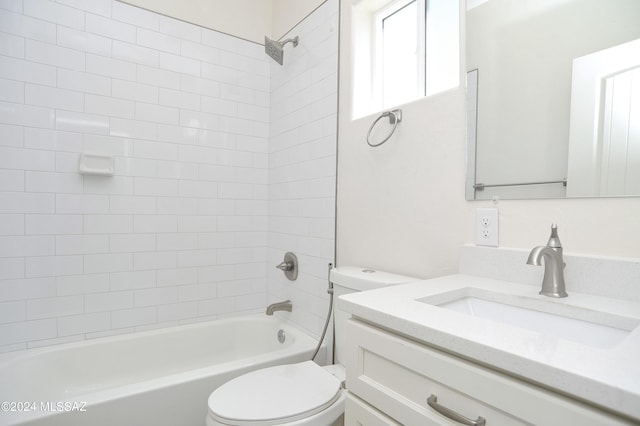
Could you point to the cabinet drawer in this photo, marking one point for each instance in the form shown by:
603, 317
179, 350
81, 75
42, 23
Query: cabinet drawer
359, 413
397, 375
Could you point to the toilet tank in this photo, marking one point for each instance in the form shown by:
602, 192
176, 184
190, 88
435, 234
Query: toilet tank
350, 279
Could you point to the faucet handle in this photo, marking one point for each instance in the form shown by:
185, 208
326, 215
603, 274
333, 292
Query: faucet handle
554, 240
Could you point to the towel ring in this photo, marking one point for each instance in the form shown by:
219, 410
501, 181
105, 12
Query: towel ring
395, 117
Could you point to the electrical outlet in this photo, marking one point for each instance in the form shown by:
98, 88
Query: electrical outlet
487, 227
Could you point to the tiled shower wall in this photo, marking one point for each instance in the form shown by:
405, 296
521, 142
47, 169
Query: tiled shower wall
179, 233
302, 166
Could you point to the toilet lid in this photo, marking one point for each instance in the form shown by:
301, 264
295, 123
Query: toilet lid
274, 395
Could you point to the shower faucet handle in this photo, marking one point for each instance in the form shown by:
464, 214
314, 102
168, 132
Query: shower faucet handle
289, 266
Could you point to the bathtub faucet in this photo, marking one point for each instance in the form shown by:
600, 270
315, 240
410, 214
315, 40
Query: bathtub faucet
280, 306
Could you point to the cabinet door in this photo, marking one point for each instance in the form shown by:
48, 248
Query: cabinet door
359, 413
397, 376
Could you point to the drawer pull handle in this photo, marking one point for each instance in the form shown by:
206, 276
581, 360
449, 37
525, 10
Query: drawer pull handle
447, 412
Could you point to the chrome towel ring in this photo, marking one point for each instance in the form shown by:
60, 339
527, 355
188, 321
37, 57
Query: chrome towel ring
395, 117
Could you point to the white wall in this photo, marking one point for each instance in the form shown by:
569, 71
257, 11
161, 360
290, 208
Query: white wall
247, 19
179, 233
302, 166
288, 13
401, 207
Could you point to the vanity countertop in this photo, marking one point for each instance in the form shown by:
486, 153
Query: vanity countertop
607, 377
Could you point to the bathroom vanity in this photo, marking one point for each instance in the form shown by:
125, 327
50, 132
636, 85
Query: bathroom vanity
491, 351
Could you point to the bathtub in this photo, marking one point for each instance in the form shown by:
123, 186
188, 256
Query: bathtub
159, 377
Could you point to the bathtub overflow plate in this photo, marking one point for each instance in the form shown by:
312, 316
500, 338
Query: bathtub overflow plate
281, 336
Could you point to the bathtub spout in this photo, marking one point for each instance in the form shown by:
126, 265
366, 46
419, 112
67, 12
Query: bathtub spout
280, 306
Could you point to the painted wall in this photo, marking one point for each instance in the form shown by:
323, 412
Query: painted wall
401, 206
178, 234
288, 13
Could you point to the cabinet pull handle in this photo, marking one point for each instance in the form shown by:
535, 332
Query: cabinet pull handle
447, 412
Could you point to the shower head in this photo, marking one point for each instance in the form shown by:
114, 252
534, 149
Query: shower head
274, 48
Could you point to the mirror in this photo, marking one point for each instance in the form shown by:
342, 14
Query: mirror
522, 57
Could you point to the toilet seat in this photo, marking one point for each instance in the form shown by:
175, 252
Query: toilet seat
275, 395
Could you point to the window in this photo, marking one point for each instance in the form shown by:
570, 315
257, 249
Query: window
400, 52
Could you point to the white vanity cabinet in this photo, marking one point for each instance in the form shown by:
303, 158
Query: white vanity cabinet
390, 378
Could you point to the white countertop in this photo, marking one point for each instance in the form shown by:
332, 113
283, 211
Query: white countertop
607, 377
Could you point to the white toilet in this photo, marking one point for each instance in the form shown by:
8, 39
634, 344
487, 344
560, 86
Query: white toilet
303, 393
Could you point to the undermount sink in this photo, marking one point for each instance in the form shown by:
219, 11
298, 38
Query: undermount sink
560, 320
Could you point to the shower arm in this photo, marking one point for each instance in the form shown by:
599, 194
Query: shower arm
290, 40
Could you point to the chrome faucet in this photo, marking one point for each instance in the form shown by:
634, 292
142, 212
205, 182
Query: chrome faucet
553, 281
280, 306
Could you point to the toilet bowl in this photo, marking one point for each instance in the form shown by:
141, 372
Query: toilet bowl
302, 394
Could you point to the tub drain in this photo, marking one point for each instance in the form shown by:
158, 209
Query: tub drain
281, 336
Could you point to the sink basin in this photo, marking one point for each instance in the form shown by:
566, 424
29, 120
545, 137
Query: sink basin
586, 326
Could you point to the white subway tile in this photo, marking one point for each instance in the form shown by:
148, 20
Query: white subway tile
177, 277
12, 5
110, 28
127, 166
97, 263
19, 246
100, 7
12, 312
199, 120
234, 256
179, 206
11, 224
155, 187
177, 311
24, 202
219, 106
190, 258
104, 105
234, 223
24, 331
26, 115
235, 190
179, 99
110, 67
133, 129
25, 26
11, 180
84, 323
156, 296
155, 260
197, 154
156, 224
178, 134
12, 135
219, 73
177, 170
234, 288
216, 306
135, 91
216, 206
209, 240
197, 224
43, 224
82, 284
135, 15
116, 185
11, 91
52, 266
132, 280
201, 86
228, 157
108, 301
53, 98
253, 112
250, 270
250, 80
179, 64
129, 243
26, 159
55, 13
260, 160
156, 113
197, 189
54, 307
108, 224
220, 40
107, 145
236, 93
200, 51
81, 244
180, 29
158, 77
133, 317
52, 140
84, 82
124, 204
177, 241
10, 269
248, 302
57, 56
158, 41
83, 41
81, 122
136, 54
81, 204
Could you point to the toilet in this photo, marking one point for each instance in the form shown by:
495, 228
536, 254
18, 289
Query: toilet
302, 394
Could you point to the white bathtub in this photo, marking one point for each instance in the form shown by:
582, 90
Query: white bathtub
161, 377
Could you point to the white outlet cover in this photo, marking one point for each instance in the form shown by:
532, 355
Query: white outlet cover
487, 227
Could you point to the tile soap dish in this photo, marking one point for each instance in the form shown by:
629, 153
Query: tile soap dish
97, 165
